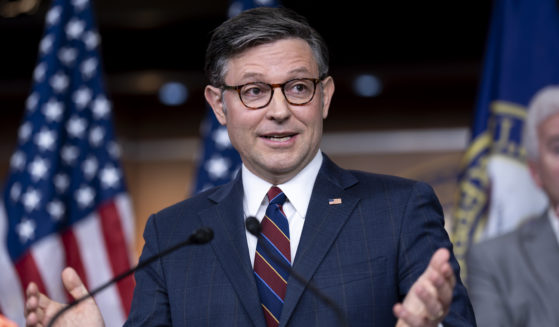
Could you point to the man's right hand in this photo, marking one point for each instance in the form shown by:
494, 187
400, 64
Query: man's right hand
39, 309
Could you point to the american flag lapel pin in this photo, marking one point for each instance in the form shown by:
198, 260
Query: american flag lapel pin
335, 201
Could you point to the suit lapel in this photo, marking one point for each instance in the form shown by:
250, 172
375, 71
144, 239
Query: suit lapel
226, 219
323, 223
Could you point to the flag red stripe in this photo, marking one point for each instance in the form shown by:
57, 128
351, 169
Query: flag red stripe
73, 258
28, 272
117, 250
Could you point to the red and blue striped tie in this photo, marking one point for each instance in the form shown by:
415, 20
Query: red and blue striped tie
273, 245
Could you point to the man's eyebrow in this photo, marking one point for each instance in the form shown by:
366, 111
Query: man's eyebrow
260, 76
251, 75
299, 70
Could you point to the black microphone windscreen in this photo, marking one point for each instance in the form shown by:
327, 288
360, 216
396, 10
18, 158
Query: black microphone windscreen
253, 226
202, 235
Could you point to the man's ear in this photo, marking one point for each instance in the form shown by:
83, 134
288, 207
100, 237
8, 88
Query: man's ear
327, 93
214, 97
534, 168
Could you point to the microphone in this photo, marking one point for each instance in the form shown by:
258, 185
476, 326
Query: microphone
200, 236
255, 228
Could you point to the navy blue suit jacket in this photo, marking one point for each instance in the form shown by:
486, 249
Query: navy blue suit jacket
364, 253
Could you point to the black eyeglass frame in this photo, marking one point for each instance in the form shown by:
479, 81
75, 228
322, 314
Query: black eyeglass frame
273, 87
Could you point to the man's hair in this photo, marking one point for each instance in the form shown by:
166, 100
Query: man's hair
255, 27
543, 105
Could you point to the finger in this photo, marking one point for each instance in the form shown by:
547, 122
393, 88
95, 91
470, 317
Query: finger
43, 307
434, 309
73, 283
31, 289
407, 318
397, 309
31, 304
440, 271
437, 279
32, 301
31, 320
446, 269
437, 307
439, 258
34, 319
443, 281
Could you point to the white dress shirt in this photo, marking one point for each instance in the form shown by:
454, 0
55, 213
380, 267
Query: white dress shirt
298, 192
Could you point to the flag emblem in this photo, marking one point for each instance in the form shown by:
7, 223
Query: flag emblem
335, 201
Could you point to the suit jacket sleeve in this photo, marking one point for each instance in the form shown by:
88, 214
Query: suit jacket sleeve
150, 304
422, 234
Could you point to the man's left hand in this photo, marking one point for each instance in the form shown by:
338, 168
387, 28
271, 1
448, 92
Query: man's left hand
429, 298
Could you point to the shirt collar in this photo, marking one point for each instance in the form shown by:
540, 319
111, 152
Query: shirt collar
298, 189
554, 220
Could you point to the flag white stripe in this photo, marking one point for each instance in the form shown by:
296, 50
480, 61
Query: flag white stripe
11, 293
48, 255
89, 236
124, 208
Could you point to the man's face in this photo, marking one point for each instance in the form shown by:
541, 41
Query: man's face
546, 170
279, 140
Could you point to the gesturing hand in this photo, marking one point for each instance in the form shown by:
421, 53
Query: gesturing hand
39, 309
429, 298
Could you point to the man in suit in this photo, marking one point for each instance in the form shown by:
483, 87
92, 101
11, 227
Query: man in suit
367, 242
513, 279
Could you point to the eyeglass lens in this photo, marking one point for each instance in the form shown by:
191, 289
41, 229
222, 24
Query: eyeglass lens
299, 91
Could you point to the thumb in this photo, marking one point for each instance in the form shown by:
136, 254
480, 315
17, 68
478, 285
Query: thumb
73, 283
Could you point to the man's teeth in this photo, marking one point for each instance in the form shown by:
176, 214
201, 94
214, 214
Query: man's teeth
279, 138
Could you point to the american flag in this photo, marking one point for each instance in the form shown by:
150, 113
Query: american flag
220, 162
65, 201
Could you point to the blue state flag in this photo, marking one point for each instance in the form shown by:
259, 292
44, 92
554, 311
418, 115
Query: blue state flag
220, 162
496, 191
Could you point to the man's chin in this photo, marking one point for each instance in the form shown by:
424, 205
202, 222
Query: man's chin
278, 172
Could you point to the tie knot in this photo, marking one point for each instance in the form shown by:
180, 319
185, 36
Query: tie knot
276, 196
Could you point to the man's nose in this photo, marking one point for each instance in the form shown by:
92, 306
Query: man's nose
278, 108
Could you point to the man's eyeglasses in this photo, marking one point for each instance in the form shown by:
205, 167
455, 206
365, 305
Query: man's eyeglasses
258, 95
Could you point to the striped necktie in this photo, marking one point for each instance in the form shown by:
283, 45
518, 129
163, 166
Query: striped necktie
273, 245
